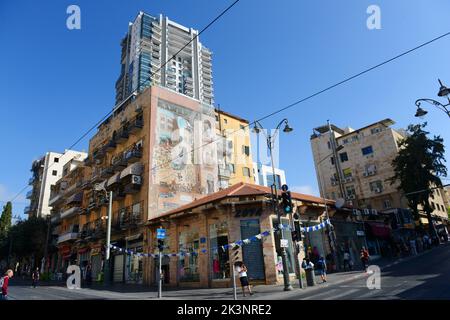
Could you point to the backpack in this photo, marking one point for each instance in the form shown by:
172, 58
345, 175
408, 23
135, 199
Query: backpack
321, 264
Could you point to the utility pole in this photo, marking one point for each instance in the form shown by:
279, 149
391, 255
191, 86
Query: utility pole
44, 260
107, 266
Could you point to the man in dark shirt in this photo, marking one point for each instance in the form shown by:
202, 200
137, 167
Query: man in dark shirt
5, 282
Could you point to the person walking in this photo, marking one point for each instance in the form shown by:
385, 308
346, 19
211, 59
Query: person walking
89, 275
364, 256
347, 260
412, 245
241, 269
35, 277
322, 267
4, 283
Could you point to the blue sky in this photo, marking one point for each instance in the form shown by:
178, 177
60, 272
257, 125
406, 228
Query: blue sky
55, 83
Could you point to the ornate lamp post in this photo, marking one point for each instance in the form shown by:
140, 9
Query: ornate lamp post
443, 92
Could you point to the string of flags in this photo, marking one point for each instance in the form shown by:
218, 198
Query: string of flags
224, 247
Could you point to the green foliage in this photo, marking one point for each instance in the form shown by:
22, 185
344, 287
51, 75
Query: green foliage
418, 166
5, 219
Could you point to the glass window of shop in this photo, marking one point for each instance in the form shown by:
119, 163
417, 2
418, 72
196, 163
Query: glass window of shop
134, 267
188, 265
314, 242
289, 250
219, 258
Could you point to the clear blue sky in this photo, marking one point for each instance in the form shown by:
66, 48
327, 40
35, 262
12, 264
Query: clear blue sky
56, 83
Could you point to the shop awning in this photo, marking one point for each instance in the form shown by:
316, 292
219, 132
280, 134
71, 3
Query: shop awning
100, 185
114, 179
379, 230
77, 197
134, 237
135, 168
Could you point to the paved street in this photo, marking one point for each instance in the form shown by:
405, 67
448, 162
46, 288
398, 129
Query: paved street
426, 276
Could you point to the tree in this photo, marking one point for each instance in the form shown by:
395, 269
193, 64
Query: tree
417, 167
5, 219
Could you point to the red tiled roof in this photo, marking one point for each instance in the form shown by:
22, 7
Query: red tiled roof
242, 189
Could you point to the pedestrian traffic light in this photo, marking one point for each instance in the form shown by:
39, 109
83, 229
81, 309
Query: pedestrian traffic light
160, 244
286, 202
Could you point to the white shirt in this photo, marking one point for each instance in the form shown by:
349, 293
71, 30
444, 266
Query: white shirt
241, 272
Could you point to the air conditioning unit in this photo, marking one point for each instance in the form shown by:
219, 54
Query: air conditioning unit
377, 190
135, 179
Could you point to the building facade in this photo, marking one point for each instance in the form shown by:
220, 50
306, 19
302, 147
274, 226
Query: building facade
234, 154
46, 171
263, 175
356, 165
148, 44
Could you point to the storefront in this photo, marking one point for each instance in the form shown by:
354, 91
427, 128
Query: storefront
134, 263
208, 235
96, 261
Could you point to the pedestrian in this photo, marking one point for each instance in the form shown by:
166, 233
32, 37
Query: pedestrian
322, 267
35, 277
413, 248
364, 256
347, 260
4, 282
89, 275
241, 269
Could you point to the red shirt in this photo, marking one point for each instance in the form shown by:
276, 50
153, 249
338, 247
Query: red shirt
5, 285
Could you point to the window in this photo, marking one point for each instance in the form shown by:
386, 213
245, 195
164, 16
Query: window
56, 160
329, 144
433, 205
376, 186
355, 138
269, 179
332, 160
189, 241
54, 173
232, 168
367, 150
375, 130
350, 191
343, 156
387, 204
246, 150
225, 120
246, 171
345, 141
242, 127
347, 173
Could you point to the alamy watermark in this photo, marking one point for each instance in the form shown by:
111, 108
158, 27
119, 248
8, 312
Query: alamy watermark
74, 277
374, 279
373, 22
73, 21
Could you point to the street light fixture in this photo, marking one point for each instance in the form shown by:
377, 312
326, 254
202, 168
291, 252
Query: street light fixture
270, 139
443, 92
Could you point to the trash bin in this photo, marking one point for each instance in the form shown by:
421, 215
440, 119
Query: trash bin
310, 277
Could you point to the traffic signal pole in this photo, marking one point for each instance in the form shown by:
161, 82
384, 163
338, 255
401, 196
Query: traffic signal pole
273, 189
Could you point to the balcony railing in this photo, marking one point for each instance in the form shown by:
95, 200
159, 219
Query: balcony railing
30, 194
118, 163
70, 212
54, 199
224, 172
136, 124
128, 216
68, 236
95, 229
133, 155
111, 145
27, 210
107, 172
31, 181
123, 135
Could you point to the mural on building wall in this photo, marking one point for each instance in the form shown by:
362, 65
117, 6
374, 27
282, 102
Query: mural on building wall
184, 165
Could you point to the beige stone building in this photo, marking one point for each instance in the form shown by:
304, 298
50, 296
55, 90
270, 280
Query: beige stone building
355, 164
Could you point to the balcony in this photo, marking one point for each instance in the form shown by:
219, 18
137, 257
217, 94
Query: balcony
31, 181
118, 163
68, 237
123, 135
111, 145
106, 172
99, 154
55, 218
30, 194
133, 155
70, 212
129, 217
27, 210
54, 199
136, 124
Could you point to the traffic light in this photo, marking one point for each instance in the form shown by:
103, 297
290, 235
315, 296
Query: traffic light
160, 244
286, 202
297, 233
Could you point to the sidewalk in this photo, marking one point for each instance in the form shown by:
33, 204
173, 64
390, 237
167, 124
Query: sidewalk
134, 291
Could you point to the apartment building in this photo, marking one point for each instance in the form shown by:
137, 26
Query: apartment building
356, 165
234, 149
263, 175
46, 171
148, 44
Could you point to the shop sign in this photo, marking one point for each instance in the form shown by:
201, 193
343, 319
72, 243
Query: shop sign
249, 212
284, 243
360, 233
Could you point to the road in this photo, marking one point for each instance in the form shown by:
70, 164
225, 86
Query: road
424, 277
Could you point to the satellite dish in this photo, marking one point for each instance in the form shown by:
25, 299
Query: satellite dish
339, 203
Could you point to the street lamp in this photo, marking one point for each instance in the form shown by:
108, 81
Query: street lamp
443, 92
107, 266
270, 139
